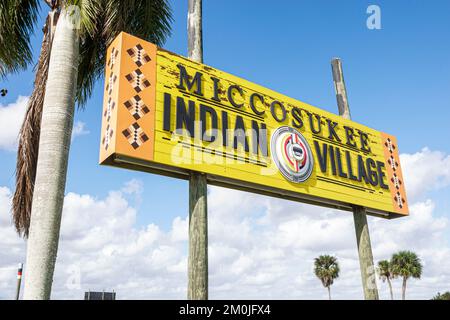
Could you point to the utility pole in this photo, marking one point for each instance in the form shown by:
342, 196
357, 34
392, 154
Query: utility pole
198, 209
19, 280
359, 213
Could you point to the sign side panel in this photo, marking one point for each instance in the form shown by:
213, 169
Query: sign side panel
110, 99
136, 99
395, 175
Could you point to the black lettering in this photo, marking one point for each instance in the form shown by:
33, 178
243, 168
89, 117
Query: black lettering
321, 155
185, 118
273, 110
259, 137
216, 89
362, 174
239, 134
332, 130
372, 174
342, 174
204, 110
381, 175
311, 123
225, 128
297, 121
350, 134
253, 104
349, 167
333, 161
184, 78
230, 95
167, 110
364, 137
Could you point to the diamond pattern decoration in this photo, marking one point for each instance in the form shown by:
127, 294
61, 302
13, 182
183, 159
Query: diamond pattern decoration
110, 107
393, 163
112, 60
396, 181
111, 104
137, 107
399, 199
111, 81
390, 145
107, 137
138, 80
135, 135
139, 56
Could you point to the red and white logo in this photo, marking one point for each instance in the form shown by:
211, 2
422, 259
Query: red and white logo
292, 154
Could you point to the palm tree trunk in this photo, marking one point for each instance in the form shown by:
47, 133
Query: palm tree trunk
404, 289
56, 130
390, 288
329, 293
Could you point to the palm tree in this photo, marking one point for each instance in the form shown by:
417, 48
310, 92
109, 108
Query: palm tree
406, 264
326, 268
443, 296
16, 25
76, 35
385, 273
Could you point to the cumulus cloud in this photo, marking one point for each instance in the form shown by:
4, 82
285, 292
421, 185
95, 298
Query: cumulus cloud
11, 118
101, 248
425, 171
79, 129
259, 247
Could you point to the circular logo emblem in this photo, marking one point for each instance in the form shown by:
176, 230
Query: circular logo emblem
292, 154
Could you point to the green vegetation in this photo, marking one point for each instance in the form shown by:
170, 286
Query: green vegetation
403, 264
385, 272
444, 296
326, 268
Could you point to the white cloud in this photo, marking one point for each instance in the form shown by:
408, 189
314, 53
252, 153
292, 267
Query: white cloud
259, 248
101, 245
425, 171
79, 129
11, 118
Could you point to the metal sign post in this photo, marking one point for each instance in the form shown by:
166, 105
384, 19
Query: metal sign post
19, 280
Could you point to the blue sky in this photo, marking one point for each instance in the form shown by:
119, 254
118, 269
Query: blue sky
398, 80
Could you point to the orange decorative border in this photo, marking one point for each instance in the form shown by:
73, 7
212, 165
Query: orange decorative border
394, 174
110, 100
130, 95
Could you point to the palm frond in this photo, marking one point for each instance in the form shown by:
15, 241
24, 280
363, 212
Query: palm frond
29, 143
406, 264
146, 19
103, 20
17, 21
384, 269
326, 268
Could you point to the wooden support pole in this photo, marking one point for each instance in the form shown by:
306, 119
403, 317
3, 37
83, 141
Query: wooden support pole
198, 209
195, 31
359, 213
198, 238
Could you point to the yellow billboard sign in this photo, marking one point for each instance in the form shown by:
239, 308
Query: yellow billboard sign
166, 114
